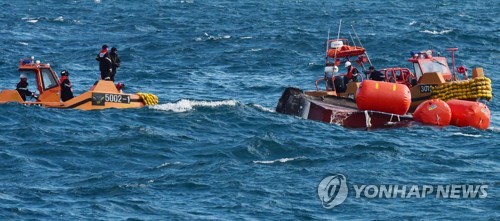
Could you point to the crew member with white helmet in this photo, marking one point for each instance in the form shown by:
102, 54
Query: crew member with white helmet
22, 87
352, 72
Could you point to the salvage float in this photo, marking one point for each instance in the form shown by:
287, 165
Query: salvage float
396, 96
102, 95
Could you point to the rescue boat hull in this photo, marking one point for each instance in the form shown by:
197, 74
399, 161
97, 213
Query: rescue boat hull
103, 95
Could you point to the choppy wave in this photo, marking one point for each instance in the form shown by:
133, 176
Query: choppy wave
185, 105
434, 32
282, 160
227, 155
260, 107
468, 135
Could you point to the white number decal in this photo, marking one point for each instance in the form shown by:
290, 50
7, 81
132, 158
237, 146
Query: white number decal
116, 98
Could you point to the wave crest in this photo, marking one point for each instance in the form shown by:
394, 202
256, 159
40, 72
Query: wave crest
434, 32
282, 160
185, 105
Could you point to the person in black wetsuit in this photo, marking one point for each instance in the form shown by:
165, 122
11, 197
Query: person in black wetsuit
22, 87
104, 63
375, 75
115, 62
66, 87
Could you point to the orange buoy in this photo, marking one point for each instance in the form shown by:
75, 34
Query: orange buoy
383, 96
469, 114
433, 112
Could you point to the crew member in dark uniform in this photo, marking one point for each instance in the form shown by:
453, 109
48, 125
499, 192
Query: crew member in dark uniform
115, 62
66, 87
22, 87
104, 63
375, 75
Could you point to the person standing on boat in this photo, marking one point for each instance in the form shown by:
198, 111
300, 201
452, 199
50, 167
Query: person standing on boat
66, 87
352, 73
115, 62
330, 73
375, 75
22, 87
104, 63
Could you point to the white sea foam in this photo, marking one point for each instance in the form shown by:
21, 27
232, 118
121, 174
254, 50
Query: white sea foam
60, 18
412, 23
282, 160
212, 37
184, 105
32, 21
22, 43
467, 135
434, 32
263, 108
166, 164
246, 37
146, 28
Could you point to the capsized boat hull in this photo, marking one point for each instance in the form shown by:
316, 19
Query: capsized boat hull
335, 110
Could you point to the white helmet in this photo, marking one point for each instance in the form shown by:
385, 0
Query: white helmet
347, 63
23, 75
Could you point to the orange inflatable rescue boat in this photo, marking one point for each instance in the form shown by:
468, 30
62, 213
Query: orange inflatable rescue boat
102, 95
338, 48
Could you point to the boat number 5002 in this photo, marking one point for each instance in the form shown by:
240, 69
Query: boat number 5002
100, 99
116, 98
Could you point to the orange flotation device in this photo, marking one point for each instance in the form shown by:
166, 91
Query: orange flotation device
345, 51
469, 114
433, 112
383, 96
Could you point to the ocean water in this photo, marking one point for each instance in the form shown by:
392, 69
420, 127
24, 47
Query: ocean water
214, 148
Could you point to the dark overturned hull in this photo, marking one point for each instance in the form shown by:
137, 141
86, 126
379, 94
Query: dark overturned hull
335, 110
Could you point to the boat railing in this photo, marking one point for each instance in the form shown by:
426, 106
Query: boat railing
321, 79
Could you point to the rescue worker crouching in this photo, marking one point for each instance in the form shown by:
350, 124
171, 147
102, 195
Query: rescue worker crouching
352, 73
375, 75
66, 87
22, 88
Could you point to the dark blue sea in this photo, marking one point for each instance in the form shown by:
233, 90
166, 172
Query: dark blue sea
215, 149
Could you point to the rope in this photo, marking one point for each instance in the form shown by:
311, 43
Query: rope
368, 120
148, 99
463, 90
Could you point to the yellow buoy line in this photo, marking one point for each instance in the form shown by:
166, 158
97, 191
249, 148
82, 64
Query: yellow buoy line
149, 99
467, 89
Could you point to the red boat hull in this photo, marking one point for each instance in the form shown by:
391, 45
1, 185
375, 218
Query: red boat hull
336, 110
